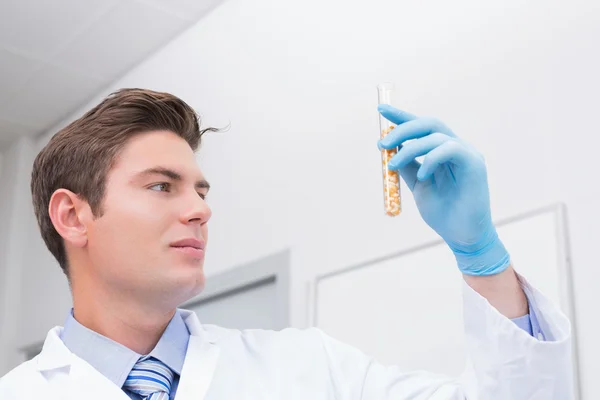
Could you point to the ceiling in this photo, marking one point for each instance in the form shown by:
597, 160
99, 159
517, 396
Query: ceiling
56, 54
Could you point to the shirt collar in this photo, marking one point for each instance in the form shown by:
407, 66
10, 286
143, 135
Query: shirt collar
172, 346
115, 361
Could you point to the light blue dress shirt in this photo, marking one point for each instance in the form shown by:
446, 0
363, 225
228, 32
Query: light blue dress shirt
530, 323
115, 361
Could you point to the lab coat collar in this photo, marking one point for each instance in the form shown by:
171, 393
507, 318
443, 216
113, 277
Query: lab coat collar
81, 376
195, 327
54, 353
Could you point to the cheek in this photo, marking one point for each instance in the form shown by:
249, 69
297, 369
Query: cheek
130, 227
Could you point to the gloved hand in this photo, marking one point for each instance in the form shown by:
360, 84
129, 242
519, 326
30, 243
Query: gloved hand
450, 189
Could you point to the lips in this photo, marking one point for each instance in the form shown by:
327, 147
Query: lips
189, 242
191, 247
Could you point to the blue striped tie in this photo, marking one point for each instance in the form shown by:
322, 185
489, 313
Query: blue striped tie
150, 379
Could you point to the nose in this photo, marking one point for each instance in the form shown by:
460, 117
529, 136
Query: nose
197, 210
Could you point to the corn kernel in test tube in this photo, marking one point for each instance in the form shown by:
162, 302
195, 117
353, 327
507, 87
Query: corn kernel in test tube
391, 181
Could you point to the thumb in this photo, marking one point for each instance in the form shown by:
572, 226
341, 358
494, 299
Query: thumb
409, 173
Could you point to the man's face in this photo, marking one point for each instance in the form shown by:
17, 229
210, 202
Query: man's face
150, 240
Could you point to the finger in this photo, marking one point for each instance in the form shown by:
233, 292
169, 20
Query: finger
395, 115
451, 151
414, 129
409, 173
417, 148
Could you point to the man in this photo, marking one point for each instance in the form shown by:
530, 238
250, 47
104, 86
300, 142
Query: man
120, 203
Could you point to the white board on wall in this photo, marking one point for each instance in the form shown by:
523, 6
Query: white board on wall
406, 308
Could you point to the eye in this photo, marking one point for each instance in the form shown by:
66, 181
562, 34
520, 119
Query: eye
163, 187
202, 196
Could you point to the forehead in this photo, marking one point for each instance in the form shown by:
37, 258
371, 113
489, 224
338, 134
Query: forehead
157, 148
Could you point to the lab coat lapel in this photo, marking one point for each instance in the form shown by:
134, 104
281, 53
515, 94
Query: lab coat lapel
200, 361
72, 375
85, 382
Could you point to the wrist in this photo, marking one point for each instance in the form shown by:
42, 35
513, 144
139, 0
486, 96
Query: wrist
503, 291
486, 257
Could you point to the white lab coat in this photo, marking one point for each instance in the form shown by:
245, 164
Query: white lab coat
505, 364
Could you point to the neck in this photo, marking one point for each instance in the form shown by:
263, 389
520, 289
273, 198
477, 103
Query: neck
135, 324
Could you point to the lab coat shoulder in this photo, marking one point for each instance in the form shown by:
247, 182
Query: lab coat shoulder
316, 365
12, 385
271, 362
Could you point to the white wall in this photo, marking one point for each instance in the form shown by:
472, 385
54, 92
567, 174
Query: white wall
16, 214
299, 166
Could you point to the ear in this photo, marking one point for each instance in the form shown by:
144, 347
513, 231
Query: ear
70, 216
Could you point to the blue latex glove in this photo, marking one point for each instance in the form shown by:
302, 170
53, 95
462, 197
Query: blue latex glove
450, 189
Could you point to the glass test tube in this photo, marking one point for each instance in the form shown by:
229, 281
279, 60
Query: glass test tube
391, 180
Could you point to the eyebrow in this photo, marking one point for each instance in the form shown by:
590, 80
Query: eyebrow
173, 175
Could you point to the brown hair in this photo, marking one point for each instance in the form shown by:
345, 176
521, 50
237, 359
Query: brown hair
79, 156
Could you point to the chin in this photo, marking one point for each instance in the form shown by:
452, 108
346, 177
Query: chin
189, 283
